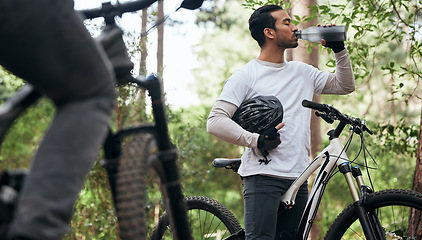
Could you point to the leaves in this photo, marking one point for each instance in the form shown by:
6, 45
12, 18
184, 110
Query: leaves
399, 138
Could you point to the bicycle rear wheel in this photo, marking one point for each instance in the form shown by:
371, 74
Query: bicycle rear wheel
398, 211
130, 186
209, 219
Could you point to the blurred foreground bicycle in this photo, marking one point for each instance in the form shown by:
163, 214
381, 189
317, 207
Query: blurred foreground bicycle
130, 152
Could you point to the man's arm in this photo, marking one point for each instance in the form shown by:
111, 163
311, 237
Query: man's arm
221, 125
342, 81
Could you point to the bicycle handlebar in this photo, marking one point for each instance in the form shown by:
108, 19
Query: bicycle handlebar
330, 114
109, 9
327, 112
314, 105
117, 9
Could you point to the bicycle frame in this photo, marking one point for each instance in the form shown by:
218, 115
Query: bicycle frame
166, 161
329, 158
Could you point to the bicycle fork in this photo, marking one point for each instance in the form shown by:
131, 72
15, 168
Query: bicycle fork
167, 161
368, 218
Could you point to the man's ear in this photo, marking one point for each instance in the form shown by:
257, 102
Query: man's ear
269, 33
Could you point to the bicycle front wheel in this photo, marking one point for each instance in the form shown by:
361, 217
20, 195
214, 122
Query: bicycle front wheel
396, 212
130, 186
209, 219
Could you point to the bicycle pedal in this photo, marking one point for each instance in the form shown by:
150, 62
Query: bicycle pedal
240, 235
11, 182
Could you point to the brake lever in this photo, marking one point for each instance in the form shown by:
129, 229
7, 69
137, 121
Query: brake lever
361, 127
365, 128
324, 116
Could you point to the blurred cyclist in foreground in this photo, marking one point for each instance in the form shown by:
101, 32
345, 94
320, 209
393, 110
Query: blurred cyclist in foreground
45, 43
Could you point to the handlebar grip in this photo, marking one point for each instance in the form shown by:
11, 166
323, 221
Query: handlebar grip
116, 9
192, 4
368, 130
314, 105
90, 13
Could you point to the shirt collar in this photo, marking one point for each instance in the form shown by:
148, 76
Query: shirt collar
271, 64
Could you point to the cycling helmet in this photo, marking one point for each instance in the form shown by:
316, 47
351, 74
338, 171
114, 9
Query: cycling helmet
259, 114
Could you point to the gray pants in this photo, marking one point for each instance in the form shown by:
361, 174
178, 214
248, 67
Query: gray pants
45, 43
262, 198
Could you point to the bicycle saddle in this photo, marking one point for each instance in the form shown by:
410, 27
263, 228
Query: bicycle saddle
224, 162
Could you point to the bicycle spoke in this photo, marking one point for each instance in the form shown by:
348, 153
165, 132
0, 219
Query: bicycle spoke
216, 228
209, 220
207, 233
391, 217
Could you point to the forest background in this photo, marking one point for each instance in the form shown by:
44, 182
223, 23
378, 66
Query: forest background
385, 45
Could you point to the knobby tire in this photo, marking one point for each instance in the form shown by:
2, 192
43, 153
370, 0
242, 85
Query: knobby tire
207, 216
395, 209
130, 187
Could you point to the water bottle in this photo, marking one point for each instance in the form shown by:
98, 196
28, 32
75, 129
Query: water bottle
330, 34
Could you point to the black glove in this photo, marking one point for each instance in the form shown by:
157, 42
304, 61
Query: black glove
335, 46
269, 139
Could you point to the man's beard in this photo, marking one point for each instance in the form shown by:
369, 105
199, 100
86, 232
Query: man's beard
288, 45
292, 45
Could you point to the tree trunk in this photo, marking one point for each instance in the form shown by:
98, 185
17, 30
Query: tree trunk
160, 40
143, 43
302, 8
415, 219
143, 63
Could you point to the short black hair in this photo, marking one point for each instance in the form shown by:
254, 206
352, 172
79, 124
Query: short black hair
260, 19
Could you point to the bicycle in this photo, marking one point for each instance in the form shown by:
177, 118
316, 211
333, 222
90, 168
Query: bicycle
129, 152
387, 214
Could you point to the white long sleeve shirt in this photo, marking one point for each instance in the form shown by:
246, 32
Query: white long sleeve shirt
290, 82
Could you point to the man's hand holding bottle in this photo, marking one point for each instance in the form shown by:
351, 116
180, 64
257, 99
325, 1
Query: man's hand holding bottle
336, 46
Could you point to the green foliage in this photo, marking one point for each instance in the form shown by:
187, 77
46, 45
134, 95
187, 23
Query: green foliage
197, 149
383, 42
402, 138
8, 84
